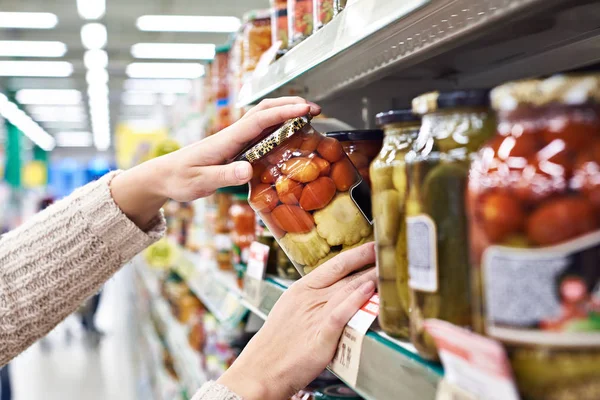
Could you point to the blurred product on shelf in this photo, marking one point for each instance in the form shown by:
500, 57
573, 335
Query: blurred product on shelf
361, 146
535, 233
389, 184
222, 237
236, 73
220, 72
185, 215
184, 304
257, 39
325, 10
455, 124
279, 25
309, 194
300, 20
243, 233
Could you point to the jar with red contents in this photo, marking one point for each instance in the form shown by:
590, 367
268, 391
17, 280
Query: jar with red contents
243, 233
279, 25
300, 20
325, 10
257, 39
361, 146
309, 194
220, 71
534, 217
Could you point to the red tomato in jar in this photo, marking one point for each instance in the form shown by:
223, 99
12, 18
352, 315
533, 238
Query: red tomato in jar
561, 219
577, 134
501, 215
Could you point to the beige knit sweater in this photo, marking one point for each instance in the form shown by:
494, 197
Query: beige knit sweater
61, 256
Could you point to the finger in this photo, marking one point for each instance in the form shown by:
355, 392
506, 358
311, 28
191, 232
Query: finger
349, 285
281, 101
341, 266
230, 141
340, 315
217, 176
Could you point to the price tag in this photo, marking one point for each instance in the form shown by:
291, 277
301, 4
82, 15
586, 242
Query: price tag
347, 358
257, 261
474, 363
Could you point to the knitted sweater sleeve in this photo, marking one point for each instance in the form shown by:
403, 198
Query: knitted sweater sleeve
61, 256
214, 391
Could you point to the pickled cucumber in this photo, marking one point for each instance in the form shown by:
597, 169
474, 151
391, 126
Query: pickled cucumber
386, 263
392, 316
386, 209
381, 175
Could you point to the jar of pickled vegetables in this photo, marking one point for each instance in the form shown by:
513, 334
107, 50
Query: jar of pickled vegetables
300, 20
222, 238
534, 214
325, 10
454, 126
309, 194
243, 228
220, 71
257, 39
279, 25
388, 174
361, 146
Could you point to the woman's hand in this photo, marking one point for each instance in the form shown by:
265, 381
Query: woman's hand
301, 335
199, 169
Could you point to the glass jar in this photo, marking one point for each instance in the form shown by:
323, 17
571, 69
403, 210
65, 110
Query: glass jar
534, 210
279, 25
300, 20
220, 71
309, 194
454, 125
325, 10
222, 239
264, 236
362, 146
388, 174
257, 39
243, 225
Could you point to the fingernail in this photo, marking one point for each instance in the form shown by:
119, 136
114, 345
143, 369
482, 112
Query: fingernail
242, 171
367, 287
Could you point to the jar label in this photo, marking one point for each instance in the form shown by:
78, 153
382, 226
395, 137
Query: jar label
544, 296
422, 253
223, 243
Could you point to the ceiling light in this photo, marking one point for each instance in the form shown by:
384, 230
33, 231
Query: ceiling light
158, 85
96, 77
73, 139
138, 99
93, 36
91, 9
50, 110
22, 48
165, 70
28, 20
187, 23
49, 96
184, 51
168, 99
95, 59
25, 124
36, 68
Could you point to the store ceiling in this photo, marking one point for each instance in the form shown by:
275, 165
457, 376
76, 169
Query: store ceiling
120, 21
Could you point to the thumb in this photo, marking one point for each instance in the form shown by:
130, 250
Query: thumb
233, 174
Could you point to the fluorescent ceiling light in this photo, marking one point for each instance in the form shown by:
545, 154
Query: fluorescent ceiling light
187, 23
23, 48
49, 96
93, 36
36, 68
165, 70
96, 77
73, 139
138, 99
28, 20
168, 99
183, 51
49, 110
158, 85
25, 124
91, 9
95, 59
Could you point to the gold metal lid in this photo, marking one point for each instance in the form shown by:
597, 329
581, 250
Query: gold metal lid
559, 89
264, 146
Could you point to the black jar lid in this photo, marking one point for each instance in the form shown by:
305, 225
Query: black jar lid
434, 101
356, 135
395, 116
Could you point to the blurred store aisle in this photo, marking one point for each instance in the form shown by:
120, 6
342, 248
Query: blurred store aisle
77, 370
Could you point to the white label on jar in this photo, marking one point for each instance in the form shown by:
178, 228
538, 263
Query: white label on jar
223, 242
546, 296
422, 253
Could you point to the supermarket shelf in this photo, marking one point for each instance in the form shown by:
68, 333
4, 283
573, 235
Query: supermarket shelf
416, 45
389, 368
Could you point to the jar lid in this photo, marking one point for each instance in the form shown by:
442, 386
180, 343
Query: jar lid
394, 116
560, 89
433, 101
264, 146
253, 15
233, 190
339, 392
356, 135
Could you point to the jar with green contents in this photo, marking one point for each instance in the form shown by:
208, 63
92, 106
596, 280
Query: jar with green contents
388, 175
455, 125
